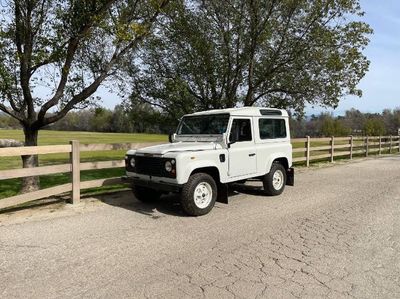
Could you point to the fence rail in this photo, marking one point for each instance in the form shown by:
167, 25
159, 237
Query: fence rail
310, 149
74, 167
343, 146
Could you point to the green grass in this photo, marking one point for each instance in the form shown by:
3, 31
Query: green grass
12, 187
47, 137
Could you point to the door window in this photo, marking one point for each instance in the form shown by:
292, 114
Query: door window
241, 130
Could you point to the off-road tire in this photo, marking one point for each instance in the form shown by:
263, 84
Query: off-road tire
146, 195
187, 195
268, 180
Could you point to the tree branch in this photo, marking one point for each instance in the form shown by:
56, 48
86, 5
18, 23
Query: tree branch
73, 44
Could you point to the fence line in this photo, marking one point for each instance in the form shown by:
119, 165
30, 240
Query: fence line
312, 150
337, 147
74, 167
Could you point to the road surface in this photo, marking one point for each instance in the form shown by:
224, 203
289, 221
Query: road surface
336, 234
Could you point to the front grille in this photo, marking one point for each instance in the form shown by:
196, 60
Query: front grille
153, 166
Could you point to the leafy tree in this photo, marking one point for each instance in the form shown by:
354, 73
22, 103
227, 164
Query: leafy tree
222, 53
54, 55
334, 127
374, 127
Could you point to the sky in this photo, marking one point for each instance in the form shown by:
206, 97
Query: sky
381, 85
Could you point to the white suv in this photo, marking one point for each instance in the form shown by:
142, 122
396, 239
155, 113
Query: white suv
211, 149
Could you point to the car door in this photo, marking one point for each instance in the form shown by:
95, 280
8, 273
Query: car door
242, 152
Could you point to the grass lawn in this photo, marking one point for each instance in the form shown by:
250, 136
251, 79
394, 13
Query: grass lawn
46, 137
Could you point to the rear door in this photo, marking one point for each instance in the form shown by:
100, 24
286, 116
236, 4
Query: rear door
242, 153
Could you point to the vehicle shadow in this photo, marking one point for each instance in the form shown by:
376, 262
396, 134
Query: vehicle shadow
167, 204
247, 189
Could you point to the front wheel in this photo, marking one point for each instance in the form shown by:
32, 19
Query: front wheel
199, 194
274, 182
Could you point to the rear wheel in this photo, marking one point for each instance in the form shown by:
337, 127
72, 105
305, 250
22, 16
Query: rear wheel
199, 194
274, 182
146, 195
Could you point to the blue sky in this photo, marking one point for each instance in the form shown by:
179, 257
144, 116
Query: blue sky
381, 85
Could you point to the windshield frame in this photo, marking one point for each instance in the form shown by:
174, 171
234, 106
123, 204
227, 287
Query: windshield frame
181, 123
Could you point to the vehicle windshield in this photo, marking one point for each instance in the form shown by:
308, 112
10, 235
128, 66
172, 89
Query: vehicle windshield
212, 124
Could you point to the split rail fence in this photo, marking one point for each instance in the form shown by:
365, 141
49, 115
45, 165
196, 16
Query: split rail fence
304, 150
343, 147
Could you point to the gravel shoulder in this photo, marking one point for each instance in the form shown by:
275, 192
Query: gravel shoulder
335, 234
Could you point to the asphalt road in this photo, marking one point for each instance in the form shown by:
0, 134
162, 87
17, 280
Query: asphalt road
335, 234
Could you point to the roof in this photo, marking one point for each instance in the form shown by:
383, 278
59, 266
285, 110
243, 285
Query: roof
245, 111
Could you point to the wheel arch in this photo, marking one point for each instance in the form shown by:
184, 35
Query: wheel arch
280, 158
213, 171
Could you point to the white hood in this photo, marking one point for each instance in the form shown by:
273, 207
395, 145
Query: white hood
178, 147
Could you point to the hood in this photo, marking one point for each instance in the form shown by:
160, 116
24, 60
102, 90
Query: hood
178, 147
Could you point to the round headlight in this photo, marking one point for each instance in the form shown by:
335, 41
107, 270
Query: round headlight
168, 166
132, 162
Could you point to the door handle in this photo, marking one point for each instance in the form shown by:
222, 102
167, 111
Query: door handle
252, 155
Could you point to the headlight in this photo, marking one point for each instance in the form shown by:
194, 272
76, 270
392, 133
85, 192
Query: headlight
132, 162
168, 166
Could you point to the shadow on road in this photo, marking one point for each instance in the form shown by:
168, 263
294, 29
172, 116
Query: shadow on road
247, 189
168, 204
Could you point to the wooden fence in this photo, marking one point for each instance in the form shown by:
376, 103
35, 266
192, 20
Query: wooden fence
310, 149
74, 167
329, 148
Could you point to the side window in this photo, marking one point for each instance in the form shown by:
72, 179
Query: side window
241, 130
272, 128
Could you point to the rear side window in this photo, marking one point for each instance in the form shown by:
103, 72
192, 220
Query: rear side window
272, 128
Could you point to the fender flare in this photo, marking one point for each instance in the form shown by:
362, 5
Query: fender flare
273, 157
199, 164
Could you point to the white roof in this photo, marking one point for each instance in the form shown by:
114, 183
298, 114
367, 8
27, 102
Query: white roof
243, 111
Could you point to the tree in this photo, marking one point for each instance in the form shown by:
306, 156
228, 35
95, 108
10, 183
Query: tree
222, 53
333, 127
65, 49
374, 127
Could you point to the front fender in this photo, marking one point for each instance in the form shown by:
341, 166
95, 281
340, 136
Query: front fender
192, 166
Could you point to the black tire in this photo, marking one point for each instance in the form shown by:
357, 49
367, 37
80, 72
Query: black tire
187, 195
145, 195
268, 179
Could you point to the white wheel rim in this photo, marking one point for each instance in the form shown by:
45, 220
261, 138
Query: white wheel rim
277, 180
202, 195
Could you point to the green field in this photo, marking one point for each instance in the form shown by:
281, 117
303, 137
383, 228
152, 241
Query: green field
11, 187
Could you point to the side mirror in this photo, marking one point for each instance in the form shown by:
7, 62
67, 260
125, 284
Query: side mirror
231, 140
170, 138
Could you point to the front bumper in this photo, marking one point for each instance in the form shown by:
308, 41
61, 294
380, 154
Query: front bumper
156, 185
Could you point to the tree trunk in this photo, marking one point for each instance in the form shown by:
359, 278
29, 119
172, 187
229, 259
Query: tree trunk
30, 184
250, 92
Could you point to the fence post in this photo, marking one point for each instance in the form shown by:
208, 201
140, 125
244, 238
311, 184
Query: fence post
308, 145
332, 148
380, 145
351, 147
366, 145
390, 146
75, 172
